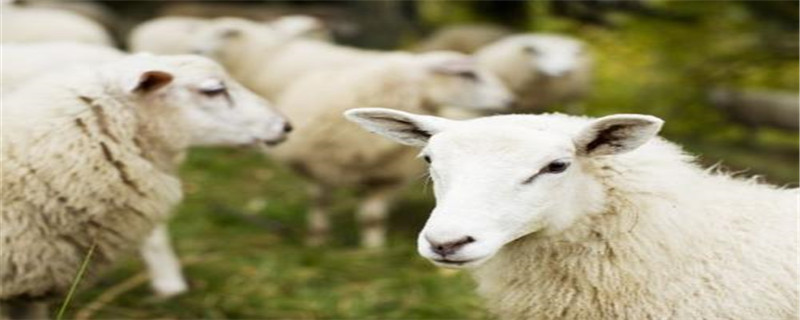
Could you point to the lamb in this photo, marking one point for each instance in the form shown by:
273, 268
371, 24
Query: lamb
543, 70
89, 162
562, 217
333, 154
43, 24
35, 59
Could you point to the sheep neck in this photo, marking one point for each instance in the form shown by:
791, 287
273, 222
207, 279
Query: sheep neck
579, 270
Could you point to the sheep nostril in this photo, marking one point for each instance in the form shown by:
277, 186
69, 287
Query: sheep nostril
451, 247
287, 127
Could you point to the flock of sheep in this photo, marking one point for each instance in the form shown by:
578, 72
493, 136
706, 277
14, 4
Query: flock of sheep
556, 216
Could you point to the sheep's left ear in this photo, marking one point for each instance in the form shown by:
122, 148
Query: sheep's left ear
150, 81
403, 127
616, 134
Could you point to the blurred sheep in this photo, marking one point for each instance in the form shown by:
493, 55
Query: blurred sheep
463, 38
89, 163
89, 9
166, 35
173, 34
543, 70
32, 60
333, 153
759, 108
21, 24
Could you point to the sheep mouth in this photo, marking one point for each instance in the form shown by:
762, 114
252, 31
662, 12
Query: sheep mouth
455, 262
274, 142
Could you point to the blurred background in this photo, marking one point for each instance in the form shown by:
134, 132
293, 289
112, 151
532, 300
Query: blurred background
723, 74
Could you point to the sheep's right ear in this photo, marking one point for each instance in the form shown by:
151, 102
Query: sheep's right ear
616, 134
150, 81
403, 127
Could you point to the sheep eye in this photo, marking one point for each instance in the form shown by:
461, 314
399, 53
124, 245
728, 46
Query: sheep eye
426, 158
213, 88
557, 166
212, 92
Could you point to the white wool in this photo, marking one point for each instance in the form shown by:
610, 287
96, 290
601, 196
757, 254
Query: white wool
301, 26
270, 65
543, 70
35, 59
464, 38
166, 35
335, 154
42, 24
89, 158
179, 35
632, 229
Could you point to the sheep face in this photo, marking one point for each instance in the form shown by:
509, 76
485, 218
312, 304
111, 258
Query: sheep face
501, 178
543, 56
454, 79
202, 102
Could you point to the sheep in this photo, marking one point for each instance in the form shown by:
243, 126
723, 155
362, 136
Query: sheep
268, 61
543, 70
43, 24
758, 108
166, 35
35, 59
173, 34
92, 10
332, 153
465, 38
563, 217
90, 157
301, 26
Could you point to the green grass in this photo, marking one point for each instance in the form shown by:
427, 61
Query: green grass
245, 269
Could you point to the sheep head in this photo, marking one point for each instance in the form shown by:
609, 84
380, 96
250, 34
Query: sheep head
497, 179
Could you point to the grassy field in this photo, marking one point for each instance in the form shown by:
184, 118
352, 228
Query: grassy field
240, 227
241, 266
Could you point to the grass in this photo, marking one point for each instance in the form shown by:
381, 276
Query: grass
76, 282
246, 269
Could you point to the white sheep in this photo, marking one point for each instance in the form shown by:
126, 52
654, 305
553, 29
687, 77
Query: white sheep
301, 26
35, 59
89, 161
464, 38
267, 61
19, 24
561, 217
95, 11
174, 34
166, 35
334, 154
543, 70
